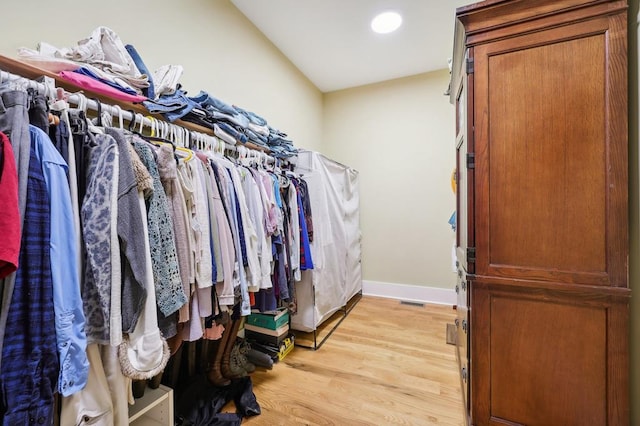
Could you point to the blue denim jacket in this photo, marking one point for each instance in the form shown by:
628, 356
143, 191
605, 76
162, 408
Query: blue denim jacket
205, 100
240, 137
173, 107
255, 119
231, 124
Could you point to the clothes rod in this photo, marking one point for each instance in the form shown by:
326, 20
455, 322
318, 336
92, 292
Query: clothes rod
161, 127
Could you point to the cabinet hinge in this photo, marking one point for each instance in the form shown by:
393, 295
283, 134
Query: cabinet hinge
471, 254
471, 160
469, 65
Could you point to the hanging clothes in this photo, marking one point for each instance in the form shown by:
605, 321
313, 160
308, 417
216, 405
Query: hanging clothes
168, 172
10, 215
67, 302
130, 230
144, 353
224, 239
135, 241
170, 295
29, 373
99, 227
14, 123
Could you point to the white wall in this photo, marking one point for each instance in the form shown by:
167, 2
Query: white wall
221, 51
400, 136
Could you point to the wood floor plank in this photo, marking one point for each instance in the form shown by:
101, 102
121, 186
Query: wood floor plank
386, 364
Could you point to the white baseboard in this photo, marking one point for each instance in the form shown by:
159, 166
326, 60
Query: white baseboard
410, 293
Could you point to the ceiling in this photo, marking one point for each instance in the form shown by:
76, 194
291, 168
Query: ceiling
330, 41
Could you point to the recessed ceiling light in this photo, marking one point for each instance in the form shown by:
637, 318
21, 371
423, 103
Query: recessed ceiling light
386, 22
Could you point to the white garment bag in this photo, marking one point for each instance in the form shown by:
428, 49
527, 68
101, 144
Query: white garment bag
336, 277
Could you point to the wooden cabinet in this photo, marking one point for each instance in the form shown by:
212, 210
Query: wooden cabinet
540, 89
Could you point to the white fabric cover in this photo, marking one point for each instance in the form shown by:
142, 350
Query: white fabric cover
353, 284
336, 277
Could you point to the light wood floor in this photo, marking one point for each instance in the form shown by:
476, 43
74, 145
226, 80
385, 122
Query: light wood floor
386, 364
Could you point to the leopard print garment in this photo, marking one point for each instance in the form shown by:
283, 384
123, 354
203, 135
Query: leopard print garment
97, 212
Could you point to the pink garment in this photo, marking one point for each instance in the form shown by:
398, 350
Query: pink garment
193, 329
205, 305
272, 216
213, 333
96, 86
9, 214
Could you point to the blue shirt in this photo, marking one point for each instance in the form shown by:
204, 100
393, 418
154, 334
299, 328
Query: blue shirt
276, 189
238, 219
235, 220
306, 262
67, 301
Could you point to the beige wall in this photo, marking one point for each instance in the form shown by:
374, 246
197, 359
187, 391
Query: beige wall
634, 210
221, 51
400, 136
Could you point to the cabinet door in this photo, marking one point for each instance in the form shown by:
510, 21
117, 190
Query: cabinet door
551, 154
548, 356
462, 334
465, 188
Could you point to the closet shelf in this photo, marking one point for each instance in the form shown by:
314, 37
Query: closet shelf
154, 408
29, 71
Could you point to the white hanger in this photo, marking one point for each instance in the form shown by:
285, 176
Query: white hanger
118, 110
83, 105
154, 132
180, 136
162, 131
179, 131
82, 102
141, 124
184, 133
155, 127
165, 129
196, 141
171, 133
201, 142
133, 120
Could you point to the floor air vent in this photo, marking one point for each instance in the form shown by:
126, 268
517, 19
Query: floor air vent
407, 302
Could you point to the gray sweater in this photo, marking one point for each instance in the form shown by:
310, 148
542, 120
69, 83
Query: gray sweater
170, 295
131, 236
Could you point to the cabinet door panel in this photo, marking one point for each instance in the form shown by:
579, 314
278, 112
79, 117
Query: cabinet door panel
547, 356
545, 165
531, 337
546, 202
465, 183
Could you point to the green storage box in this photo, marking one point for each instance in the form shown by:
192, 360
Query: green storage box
270, 320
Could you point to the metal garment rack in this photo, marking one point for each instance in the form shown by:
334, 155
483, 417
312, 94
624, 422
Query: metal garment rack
344, 310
